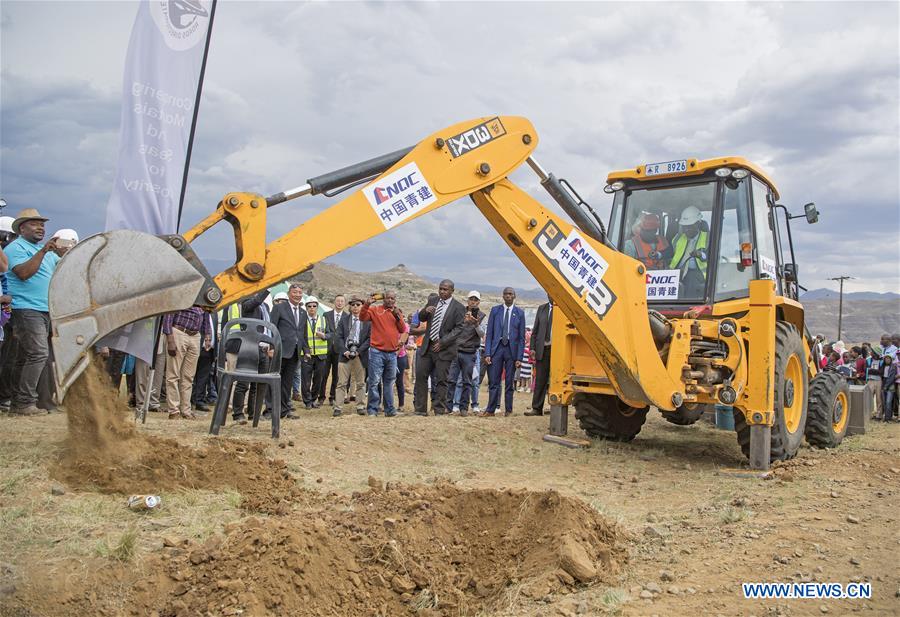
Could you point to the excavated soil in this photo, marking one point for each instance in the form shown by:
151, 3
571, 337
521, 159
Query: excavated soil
104, 453
425, 549
433, 550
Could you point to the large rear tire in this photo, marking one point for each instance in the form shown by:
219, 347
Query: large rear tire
685, 415
606, 417
791, 395
829, 410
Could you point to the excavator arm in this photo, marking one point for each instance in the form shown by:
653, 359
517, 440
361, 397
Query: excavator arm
116, 278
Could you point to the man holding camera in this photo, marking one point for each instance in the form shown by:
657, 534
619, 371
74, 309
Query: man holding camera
30, 269
387, 326
462, 369
351, 344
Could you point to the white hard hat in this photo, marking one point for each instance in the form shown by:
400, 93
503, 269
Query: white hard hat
6, 223
280, 296
474, 294
66, 234
311, 300
690, 215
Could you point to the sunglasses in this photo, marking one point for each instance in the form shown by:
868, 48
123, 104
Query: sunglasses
311, 304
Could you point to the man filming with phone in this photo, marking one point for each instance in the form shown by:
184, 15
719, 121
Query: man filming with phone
462, 383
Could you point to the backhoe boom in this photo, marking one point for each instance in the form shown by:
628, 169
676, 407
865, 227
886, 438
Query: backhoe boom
599, 289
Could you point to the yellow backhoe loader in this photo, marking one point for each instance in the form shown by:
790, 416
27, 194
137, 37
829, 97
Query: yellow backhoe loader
713, 317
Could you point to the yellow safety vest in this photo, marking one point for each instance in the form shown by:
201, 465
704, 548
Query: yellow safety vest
680, 244
317, 346
233, 312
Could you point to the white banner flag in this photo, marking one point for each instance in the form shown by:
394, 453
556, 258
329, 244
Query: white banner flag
162, 79
162, 75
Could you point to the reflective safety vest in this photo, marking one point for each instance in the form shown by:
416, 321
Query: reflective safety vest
317, 346
643, 249
233, 312
680, 244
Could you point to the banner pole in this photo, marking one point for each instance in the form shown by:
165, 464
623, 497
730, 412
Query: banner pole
190, 146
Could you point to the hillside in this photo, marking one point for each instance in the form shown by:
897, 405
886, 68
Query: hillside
864, 320
326, 280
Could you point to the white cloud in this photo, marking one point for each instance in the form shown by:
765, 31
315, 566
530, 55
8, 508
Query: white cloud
807, 90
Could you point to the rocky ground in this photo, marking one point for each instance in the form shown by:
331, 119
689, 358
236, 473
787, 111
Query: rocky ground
437, 516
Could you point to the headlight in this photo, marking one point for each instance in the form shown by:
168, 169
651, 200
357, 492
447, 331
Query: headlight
723, 172
618, 185
740, 174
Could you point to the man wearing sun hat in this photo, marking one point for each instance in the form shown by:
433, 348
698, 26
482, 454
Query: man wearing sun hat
30, 269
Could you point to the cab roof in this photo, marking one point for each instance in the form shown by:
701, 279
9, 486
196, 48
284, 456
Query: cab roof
694, 168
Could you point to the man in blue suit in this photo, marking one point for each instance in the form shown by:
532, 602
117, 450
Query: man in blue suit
503, 348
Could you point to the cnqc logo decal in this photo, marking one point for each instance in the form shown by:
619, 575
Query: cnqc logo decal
182, 23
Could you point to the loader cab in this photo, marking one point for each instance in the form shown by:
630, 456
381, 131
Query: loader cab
702, 229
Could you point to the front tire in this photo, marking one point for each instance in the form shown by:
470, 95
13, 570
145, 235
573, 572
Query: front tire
606, 417
791, 394
829, 410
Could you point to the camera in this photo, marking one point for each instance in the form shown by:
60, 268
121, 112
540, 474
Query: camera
352, 350
377, 296
474, 311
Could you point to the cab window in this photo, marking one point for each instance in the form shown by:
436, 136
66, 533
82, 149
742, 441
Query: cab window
765, 242
733, 278
667, 229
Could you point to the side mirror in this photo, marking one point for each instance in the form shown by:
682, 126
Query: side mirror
812, 215
789, 272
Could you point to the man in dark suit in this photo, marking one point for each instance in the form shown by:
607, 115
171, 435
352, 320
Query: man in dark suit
504, 345
332, 319
351, 344
206, 362
290, 320
439, 346
540, 351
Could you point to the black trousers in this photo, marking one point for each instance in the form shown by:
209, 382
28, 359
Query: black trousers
242, 387
202, 376
312, 374
7, 362
288, 368
541, 381
431, 364
331, 367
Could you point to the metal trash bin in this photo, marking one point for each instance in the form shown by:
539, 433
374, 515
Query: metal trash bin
862, 406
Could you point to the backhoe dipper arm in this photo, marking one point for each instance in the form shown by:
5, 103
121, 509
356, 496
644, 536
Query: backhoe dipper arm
600, 290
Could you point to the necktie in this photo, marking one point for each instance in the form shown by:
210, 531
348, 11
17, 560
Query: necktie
296, 315
549, 324
505, 330
354, 332
437, 319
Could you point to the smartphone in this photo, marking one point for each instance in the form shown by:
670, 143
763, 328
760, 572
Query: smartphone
377, 296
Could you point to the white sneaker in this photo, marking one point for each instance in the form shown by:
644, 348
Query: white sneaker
476, 409
456, 409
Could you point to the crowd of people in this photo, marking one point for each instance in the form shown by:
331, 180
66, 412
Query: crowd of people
356, 355
867, 363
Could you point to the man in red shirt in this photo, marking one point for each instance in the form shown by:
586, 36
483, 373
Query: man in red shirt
387, 326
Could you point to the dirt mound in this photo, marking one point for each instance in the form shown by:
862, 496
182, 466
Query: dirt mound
104, 453
387, 552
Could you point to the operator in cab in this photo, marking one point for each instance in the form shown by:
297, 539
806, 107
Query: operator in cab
647, 245
690, 253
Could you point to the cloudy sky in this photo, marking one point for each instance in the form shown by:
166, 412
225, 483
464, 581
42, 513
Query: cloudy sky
807, 90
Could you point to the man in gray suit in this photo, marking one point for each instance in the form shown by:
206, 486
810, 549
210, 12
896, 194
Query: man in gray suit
444, 317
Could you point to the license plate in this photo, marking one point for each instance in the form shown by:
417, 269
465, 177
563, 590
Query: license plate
661, 169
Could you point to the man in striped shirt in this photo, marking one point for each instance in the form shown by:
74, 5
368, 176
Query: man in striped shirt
184, 331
